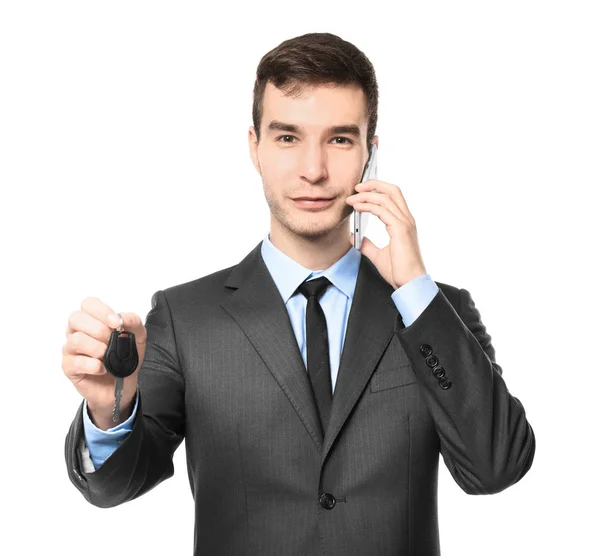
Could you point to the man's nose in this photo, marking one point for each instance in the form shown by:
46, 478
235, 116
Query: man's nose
313, 165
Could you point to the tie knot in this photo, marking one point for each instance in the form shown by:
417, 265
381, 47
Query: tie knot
316, 287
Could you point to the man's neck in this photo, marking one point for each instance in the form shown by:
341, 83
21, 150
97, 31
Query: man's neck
317, 253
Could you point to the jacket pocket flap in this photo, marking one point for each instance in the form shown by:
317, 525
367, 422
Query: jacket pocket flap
392, 377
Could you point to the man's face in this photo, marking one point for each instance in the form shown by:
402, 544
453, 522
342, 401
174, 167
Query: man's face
312, 160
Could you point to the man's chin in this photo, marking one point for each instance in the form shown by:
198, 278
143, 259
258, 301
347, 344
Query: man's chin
317, 230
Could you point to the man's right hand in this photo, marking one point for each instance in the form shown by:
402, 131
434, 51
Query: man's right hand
88, 333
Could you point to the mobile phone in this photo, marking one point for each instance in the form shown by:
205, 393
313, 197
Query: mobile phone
360, 219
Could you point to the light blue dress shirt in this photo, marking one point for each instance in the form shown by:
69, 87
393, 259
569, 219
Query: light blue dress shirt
411, 299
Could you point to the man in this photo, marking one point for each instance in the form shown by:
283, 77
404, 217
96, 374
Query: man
315, 385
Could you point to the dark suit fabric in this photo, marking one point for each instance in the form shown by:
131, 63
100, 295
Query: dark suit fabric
223, 371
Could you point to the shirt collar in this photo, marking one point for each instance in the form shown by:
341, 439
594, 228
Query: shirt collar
288, 274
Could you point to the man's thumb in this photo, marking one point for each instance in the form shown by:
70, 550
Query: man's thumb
133, 323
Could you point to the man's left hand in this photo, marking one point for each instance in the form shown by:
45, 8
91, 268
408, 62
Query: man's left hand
400, 261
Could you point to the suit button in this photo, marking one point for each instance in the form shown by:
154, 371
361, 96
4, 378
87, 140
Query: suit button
432, 361
439, 372
327, 500
445, 383
426, 350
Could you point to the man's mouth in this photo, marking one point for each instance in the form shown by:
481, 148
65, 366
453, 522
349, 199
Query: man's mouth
311, 202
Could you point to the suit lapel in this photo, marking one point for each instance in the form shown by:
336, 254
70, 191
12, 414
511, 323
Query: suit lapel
257, 307
372, 321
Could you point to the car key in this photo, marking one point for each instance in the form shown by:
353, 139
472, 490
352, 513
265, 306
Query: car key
120, 360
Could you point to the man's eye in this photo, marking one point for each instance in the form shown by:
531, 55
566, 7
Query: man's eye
349, 142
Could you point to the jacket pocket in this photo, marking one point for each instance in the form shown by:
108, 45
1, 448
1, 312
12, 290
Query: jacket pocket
392, 377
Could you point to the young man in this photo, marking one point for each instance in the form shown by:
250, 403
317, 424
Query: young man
315, 385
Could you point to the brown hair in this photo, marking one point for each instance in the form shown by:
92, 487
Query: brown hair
315, 59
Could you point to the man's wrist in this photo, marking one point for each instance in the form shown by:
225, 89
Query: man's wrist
104, 421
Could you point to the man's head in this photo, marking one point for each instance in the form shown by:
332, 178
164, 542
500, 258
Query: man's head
304, 88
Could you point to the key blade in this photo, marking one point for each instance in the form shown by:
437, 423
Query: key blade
118, 388
118, 394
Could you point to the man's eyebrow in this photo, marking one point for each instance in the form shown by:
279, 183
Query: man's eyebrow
351, 129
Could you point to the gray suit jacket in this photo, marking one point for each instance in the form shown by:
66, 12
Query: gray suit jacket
223, 371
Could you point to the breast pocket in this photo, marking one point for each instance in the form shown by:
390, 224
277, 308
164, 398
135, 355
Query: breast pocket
394, 368
392, 376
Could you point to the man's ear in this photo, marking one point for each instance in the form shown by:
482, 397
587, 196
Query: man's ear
253, 147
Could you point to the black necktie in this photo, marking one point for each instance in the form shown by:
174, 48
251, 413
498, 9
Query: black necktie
317, 346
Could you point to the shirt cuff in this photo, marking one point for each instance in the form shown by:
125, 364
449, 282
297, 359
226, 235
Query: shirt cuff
101, 444
412, 298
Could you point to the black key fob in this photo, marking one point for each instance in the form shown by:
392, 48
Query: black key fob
121, 357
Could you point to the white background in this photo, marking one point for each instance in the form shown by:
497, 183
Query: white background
125, 169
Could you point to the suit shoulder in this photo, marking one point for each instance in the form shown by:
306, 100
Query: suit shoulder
199, 287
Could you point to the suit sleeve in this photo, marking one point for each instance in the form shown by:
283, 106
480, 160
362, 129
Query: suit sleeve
145, 457
485, 438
